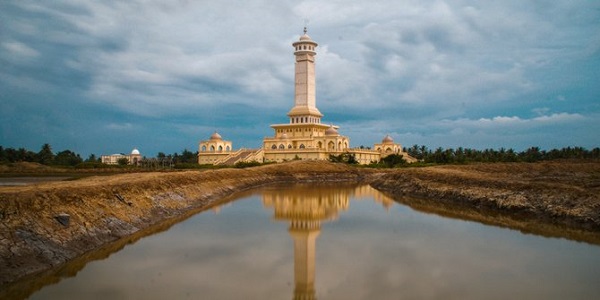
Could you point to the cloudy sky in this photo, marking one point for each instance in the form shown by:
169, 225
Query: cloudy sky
106, 76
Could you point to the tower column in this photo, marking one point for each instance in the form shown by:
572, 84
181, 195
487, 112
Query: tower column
305, 103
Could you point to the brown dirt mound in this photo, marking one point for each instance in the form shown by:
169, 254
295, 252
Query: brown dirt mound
561, 192
105, 209
102, 209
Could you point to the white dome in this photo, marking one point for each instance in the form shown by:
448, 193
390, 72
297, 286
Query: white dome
305, 37
135, 151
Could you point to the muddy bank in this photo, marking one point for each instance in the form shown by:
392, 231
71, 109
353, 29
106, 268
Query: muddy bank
552, 199
544, 198
100, 210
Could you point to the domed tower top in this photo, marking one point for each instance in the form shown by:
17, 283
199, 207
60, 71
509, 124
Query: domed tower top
331, 131
305, 45
215, 136
387, 140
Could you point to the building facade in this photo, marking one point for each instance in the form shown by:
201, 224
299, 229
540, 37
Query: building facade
213, 150
134, 158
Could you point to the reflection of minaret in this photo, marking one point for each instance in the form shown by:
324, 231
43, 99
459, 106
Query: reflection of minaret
305, 209
304, 260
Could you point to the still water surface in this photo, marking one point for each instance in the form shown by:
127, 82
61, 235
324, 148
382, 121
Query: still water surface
347, 242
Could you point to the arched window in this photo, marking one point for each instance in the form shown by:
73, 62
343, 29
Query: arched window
290, 146
227, 148
203, 148
319, 145
274, 147
302, 146
388, 150
339, 145
212, 148
220, 148
281, 146
331, 146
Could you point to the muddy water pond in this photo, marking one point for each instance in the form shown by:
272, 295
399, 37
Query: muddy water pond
344, 242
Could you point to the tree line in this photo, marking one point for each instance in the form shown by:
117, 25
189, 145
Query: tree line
46, 156
189, 159
467, 155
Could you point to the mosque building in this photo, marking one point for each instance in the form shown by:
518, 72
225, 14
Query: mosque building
305, 136
134, 158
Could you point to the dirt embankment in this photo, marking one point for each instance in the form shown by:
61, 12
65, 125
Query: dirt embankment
546, 198
557, 195
103, 209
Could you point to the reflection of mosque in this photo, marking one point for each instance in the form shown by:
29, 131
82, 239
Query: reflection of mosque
366, 191
305, 209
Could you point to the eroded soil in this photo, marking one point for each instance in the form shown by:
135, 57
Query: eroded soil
551, 198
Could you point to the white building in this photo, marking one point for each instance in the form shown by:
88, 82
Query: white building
132, 159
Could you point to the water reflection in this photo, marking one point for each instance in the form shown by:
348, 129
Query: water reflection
370, 247
305, 208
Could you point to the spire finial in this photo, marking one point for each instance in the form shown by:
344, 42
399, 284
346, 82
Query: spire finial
305, 30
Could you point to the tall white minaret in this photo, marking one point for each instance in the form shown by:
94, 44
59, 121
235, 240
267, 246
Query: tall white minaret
305, 103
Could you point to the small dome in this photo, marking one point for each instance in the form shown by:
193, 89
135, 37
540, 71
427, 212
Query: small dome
305, 37
284, 136
135, 151
215, 136
387, 140
331, 131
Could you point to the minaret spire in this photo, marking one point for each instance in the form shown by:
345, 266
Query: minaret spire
305, 103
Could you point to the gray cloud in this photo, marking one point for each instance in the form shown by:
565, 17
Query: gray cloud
415, 63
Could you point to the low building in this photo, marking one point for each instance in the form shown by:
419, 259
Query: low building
213, 150
132, 159
216, 151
